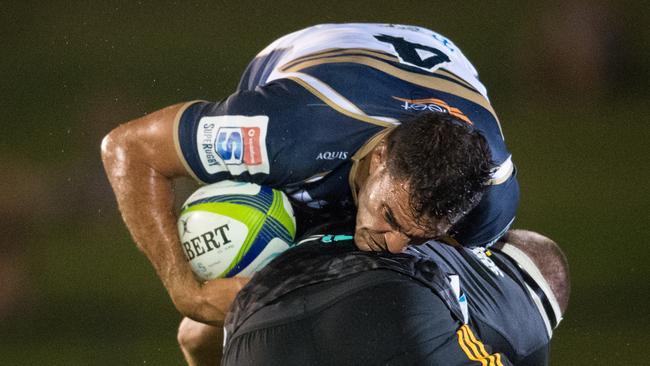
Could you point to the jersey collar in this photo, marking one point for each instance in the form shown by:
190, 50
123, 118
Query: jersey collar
360, 165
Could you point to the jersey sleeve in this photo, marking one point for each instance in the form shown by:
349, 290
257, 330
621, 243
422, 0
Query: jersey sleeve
278, 135
223, 140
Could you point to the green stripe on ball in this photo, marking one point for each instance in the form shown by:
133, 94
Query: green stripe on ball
279, 213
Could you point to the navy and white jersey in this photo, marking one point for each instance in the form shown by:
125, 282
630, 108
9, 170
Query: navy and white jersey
312, 104
485, 293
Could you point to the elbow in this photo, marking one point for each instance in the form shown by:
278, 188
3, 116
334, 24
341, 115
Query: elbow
112, 147
121, 151
107, 145
185, 306
200, 311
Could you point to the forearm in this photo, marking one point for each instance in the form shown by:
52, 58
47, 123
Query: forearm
147, 209
145, 200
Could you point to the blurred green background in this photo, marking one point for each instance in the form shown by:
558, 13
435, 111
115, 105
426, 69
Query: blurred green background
569, 80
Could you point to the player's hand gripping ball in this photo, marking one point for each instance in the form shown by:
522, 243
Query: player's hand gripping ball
234, 229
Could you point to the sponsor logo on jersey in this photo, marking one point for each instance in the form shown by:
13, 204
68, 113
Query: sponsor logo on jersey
444, 41
332, 155
334, 238
433, 105
252, 148
482, 255
411, 28
233, 143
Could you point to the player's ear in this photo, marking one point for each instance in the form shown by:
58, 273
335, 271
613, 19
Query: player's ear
378, 157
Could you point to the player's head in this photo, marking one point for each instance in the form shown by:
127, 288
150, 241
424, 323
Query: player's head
423, 177
549, 259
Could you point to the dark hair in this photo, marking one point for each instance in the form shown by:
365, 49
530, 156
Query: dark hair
445, 161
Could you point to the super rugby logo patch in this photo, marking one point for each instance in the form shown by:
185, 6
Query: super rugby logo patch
236, 145
229, 145
233, 143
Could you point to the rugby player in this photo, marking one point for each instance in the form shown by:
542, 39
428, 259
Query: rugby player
325, 303
315, 114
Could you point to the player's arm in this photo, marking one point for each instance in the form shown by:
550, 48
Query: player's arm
141, 161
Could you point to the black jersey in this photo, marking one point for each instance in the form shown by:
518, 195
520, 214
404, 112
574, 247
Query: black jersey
314, 103
483, 300
377, 317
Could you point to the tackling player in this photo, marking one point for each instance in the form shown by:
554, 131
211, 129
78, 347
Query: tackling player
325, 303
314, 115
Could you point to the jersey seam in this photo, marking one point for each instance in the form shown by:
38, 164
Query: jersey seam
177, 144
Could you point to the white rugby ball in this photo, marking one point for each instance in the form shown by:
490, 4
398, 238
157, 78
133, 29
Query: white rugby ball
234, 229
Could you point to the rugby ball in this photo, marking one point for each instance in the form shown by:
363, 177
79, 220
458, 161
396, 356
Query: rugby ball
234, 228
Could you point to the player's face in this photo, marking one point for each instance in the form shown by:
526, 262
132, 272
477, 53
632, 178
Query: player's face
384, 218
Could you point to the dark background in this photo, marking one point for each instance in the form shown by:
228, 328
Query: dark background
569, 80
